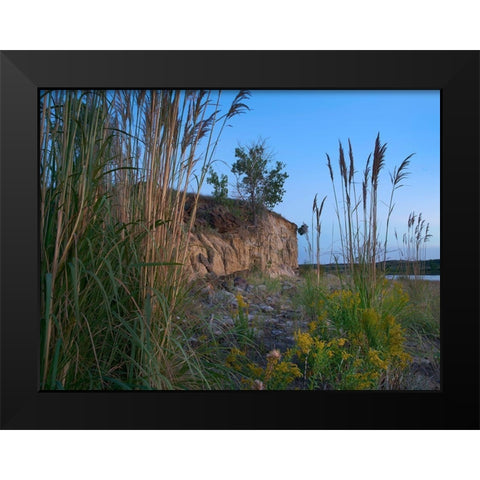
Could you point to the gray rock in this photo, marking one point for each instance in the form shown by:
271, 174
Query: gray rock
227, 321
271, 320
240, 283
266, 308
224, 294
258, 332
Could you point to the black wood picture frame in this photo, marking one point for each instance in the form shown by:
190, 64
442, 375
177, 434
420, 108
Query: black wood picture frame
454, 73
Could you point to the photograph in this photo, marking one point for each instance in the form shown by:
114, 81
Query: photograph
239, 239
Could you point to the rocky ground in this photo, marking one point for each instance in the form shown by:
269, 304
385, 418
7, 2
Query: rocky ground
424, 374
274, 314
422, 335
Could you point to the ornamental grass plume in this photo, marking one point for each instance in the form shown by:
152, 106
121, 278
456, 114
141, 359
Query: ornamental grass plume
317, 211
115, 168
418, 234
359, 237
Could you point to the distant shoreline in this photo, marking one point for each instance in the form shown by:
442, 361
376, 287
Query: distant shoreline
393, 267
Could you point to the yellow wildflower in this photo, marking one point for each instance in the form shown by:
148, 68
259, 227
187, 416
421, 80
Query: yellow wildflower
376, 360
304, 342
312, 326
241, 302
289, 370
346, 356
255, 370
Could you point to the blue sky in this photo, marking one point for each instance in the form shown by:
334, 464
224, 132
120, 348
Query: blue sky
302, 126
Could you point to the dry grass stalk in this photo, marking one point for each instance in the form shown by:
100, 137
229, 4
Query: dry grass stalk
116, 168
360, 236
418, 234
317, 212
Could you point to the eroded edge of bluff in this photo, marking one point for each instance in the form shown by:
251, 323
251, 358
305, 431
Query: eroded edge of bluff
223, 241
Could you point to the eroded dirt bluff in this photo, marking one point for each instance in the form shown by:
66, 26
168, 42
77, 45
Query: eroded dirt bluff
224, 242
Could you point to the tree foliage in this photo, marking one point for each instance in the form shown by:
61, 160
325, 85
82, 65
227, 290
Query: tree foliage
220, 186
261, 186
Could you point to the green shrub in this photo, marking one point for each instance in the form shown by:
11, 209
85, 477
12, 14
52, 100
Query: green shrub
350, 345
277, 374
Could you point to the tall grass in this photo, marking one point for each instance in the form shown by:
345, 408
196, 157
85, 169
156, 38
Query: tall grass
317, 212
354, 339
115, 169
358, 214
413, 244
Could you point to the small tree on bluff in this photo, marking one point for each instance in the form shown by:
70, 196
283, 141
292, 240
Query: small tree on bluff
261, 187
220, 186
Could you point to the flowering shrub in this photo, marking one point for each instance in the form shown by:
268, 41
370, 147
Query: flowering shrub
352, 346
276, 375
240, 317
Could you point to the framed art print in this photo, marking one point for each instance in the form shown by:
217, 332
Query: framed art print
239, 239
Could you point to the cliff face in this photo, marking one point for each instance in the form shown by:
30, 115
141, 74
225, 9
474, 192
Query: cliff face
224, 242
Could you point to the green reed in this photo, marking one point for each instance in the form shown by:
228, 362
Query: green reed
115, 168
358, 214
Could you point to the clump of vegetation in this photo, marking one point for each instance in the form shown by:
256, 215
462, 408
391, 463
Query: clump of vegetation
256, 184
357, 214
220, 186
315, 233
114, 172
357, 333
412, 242
355, 339
351, 344
277, 374
241, 324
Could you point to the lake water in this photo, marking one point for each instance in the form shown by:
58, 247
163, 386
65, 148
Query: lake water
434, 278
